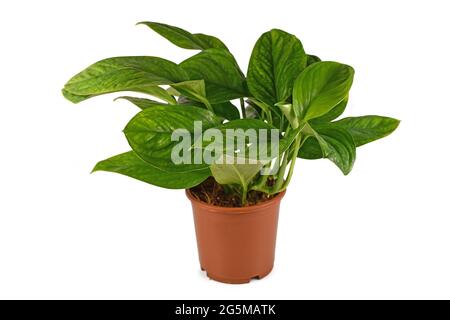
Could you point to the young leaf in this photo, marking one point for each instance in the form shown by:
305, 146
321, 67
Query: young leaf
276, 61
125, 74
223, 78
366, 129
288, 111
185, 39
149, 132
338, 146
320, 87
234, 173
131, 165
141, 103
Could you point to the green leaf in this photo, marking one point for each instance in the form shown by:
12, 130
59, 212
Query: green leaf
149, 132
141, 103
276, 61
310, 149
157, 92
288, 110
124, 74
223, 78
248, 132
194, 89
366, 129
74, 97
321, 87
312, 59
333, 113
363, 130
337, 145
185, 39
234, 173
226, 110
131, 165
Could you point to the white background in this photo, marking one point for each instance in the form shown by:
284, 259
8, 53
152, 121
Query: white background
381, 232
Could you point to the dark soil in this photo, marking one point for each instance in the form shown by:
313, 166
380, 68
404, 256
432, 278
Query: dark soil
211, 192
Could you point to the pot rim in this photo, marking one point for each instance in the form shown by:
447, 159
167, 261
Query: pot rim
235, 210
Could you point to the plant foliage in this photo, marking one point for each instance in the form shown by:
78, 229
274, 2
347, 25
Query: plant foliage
285, 88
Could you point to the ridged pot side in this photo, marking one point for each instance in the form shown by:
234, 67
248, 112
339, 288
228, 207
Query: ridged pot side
236, 245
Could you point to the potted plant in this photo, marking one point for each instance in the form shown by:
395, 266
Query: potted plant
193, 136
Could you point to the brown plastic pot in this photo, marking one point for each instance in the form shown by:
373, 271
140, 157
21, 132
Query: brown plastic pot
236, 245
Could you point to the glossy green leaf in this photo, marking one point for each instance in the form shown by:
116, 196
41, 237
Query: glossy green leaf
223, 79
124, 74
185, 39
321, 87
337, 145
276, 61
366, 129
363, 130
149, 132
310, 149
131, 165
141, 103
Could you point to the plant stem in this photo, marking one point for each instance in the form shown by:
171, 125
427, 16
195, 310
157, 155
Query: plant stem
298, 143
208, 105
282, 170
244, 113
244, 196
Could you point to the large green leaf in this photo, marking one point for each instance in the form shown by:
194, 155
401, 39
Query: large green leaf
276, 61
149, 132
131, 165
363, 130
185, 39
223, 79
366, 129
124, 74
321, 87
337, 145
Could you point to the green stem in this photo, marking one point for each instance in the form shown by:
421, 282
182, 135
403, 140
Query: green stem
281, 172
298, 143
244, 196
208, 105
244, 113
